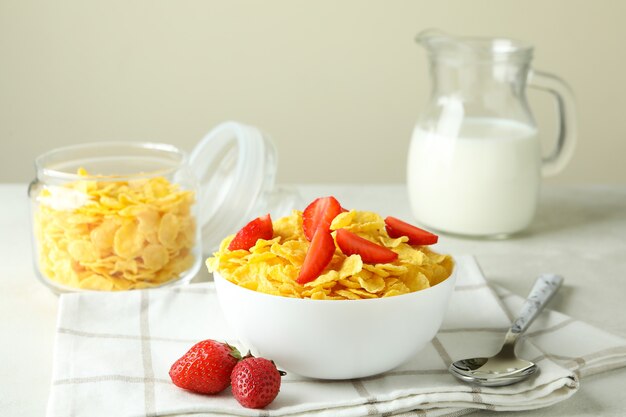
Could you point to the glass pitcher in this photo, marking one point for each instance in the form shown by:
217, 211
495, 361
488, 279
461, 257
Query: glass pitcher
475, 162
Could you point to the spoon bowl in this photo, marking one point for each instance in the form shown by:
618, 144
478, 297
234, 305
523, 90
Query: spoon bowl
505, 368
495, 371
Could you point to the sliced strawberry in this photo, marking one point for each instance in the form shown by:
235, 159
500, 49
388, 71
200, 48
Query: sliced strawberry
396, 228
317, 257
371, 253
320, 213
259, 228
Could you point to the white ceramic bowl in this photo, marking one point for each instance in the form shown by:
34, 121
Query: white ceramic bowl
334, 339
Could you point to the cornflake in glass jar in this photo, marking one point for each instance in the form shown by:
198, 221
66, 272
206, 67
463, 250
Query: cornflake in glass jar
123, 219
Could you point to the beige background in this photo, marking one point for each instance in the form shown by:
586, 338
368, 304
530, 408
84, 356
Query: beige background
337, 84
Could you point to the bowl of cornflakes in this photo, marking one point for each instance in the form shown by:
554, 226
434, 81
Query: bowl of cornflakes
332, 293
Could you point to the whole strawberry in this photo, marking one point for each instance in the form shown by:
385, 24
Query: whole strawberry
206, 367
255, 382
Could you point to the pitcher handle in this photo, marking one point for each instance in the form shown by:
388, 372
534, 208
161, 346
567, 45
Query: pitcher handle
561, 155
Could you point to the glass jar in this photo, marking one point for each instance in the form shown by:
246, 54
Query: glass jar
114, 216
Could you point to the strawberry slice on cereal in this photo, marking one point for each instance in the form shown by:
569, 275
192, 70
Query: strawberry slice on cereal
320, 214
370, 252
259, 228
318, 256
397, 228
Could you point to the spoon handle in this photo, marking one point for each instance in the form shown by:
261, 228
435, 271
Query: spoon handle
543, 290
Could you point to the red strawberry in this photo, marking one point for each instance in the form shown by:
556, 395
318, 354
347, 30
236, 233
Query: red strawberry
320, 213
206, 367
259, 228
317, 257
255, 382
396, 228
371, 253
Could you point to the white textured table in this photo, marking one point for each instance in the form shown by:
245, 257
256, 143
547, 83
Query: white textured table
579, 232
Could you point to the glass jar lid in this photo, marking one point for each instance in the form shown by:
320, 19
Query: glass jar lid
235, 165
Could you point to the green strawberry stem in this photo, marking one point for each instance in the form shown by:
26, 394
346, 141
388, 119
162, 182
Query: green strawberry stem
234, 352
282, 373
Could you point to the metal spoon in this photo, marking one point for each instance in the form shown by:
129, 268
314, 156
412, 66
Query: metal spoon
505, 368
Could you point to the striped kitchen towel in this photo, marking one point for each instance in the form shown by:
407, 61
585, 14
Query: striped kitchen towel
113, 352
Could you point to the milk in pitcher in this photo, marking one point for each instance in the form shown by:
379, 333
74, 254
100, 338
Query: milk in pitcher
480, 179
